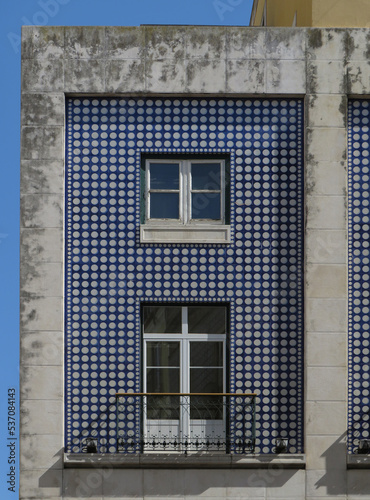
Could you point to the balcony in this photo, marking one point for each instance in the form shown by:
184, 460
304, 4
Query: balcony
195, 423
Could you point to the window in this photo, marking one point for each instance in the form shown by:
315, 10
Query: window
185, 200
184, 353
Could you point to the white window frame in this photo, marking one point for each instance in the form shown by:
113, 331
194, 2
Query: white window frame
184, 338
184, 229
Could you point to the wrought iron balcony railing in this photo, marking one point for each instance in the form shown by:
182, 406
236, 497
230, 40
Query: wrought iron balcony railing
184, 423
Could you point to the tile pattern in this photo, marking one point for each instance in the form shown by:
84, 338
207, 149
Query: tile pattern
109, 273
358, 273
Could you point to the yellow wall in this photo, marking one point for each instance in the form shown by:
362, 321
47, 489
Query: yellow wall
317, 13
341, 13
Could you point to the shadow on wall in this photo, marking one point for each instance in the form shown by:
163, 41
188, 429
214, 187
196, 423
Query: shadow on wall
128, 483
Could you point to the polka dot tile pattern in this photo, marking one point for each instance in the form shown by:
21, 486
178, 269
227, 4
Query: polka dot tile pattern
359, 273
109, 273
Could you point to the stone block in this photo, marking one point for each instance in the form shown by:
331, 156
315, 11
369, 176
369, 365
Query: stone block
41, 348
327, 110
84, 483
326, 418
326, 484
326, 315
326, 383
244, 43
206, 42
326, 144
42, 211
41, 451
326, 212
84, 42
245, 76
41, 484
48, 42
41, 416
165, 483
42, 75
358, 45
326, 178
327, 281
326, 452
42, 109
164, 42
358, 78
358, 485
167, 75
285, 43
42, 176
285, 77
42, 279
206, 76
41, 143
41, 382
326, 349
125, 76
205, 483
326, 246
285, 484
41, 314
123, 484
326, 44
41, 245
83, 74
241, 484
123, 42
326, 77
26, 42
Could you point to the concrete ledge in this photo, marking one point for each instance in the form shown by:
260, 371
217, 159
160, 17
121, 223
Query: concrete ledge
203, 233
358, 461
191, 461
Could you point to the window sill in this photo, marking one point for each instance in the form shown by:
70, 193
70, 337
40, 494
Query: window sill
190, 461
201, 233
358, 461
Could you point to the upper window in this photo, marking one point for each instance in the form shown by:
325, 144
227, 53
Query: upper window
182, 198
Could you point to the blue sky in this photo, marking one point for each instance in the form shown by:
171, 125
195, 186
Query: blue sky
59, 13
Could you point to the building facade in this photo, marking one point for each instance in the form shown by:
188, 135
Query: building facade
194, 275
315, 13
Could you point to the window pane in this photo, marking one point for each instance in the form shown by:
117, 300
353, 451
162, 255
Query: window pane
206, 354
206, 176
163, 407
164, 205
206, 379
207, 319
206, 206
162, 319
163, 380
163, 354
164, 176
206, 407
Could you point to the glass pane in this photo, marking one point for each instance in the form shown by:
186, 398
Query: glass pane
207, 319
206, 176
163, 407
164, 176
206, 354
206, 206
206, 380
163, 354
162, 319
164, 205
163, 380
206, 407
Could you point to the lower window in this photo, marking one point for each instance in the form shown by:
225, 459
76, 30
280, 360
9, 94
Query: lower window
184, 378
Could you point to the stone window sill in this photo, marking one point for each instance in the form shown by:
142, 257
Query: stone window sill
358, 461
191, 233
191, 461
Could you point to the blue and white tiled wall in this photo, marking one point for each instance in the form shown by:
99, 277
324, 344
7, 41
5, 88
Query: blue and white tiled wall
109, 273
359, 272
